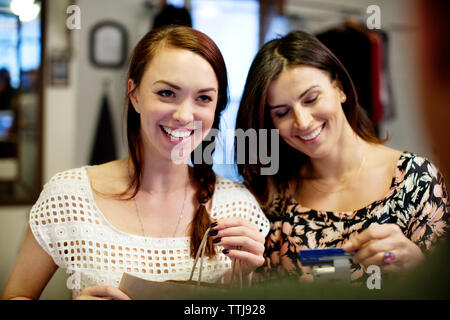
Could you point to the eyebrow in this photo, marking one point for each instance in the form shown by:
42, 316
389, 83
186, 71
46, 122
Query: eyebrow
301, 96
179, 88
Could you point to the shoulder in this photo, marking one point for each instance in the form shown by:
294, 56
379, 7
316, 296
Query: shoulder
415, 166
64, 191
420, 179
232, 198
62, 187
53, 213
109, 178
227, 183
74, 174
68, 181
229, 189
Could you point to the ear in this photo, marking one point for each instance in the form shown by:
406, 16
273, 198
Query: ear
342, 96
132, 95
339, 88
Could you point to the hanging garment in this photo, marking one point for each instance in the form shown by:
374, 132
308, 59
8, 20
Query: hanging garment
387, 96
172, 15
363, 53
104, 148
354, 49
377, 111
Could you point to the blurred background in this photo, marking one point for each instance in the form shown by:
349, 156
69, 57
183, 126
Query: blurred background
63, 77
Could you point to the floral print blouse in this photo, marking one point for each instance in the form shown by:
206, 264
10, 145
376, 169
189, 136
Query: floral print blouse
417, 202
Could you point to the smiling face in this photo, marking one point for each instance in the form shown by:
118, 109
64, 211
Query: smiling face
306, 108
178, 91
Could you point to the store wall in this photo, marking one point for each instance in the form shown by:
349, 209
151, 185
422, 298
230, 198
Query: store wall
70, 113
136, 19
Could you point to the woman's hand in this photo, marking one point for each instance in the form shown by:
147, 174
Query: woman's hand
242, 240
102, 293
377, 241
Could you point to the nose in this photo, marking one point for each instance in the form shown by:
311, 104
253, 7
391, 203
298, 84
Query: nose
302, 118
183, 114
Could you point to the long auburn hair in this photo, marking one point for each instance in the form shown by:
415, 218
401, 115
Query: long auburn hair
186, 38
294, 49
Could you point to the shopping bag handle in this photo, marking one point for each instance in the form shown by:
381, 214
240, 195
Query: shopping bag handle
201, 254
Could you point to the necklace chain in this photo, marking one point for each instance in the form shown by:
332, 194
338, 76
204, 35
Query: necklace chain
363, 160
179, 217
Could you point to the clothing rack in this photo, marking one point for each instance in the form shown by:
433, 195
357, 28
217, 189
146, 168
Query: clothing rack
344, 11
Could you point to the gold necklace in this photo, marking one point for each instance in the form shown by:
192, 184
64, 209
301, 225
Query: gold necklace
363, 160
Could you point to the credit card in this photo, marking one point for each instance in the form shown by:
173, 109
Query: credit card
322, 256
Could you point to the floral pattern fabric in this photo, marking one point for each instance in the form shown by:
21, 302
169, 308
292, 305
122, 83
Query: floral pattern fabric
417, 202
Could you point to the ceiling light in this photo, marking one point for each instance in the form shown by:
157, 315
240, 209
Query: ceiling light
27, 10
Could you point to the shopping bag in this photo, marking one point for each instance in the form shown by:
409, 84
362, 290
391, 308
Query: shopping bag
142, 289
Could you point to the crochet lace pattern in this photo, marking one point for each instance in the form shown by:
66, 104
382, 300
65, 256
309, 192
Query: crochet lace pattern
69, 226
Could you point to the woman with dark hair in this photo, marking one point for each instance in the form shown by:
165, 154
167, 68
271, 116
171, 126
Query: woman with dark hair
337, 184
147, 214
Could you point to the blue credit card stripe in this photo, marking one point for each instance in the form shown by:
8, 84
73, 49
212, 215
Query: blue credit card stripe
320, 255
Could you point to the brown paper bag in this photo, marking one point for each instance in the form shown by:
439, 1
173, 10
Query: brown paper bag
142, 289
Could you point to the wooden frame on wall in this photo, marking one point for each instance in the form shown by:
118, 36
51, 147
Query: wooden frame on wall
108, 44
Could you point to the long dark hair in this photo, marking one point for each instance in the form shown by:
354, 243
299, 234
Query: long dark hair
189, 39
295, 48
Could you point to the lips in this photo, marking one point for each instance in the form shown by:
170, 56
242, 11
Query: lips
176, 134
312, 134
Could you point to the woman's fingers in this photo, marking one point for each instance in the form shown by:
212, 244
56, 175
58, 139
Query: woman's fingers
248, 258
374, 248
378, 260
234, 222
244, 243
374, 243
374, 232
235, 232
102, 293
241, 240
374, 259
238, 231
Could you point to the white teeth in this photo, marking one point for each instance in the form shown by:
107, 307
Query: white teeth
177, 134
313, 135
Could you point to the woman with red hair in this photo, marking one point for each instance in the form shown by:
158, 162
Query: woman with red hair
147, 214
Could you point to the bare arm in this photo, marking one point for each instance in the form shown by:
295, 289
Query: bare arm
31, 273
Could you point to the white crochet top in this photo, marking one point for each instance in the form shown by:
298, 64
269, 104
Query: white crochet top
69, 226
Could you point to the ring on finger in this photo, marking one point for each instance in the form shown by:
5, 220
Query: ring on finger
389, 257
